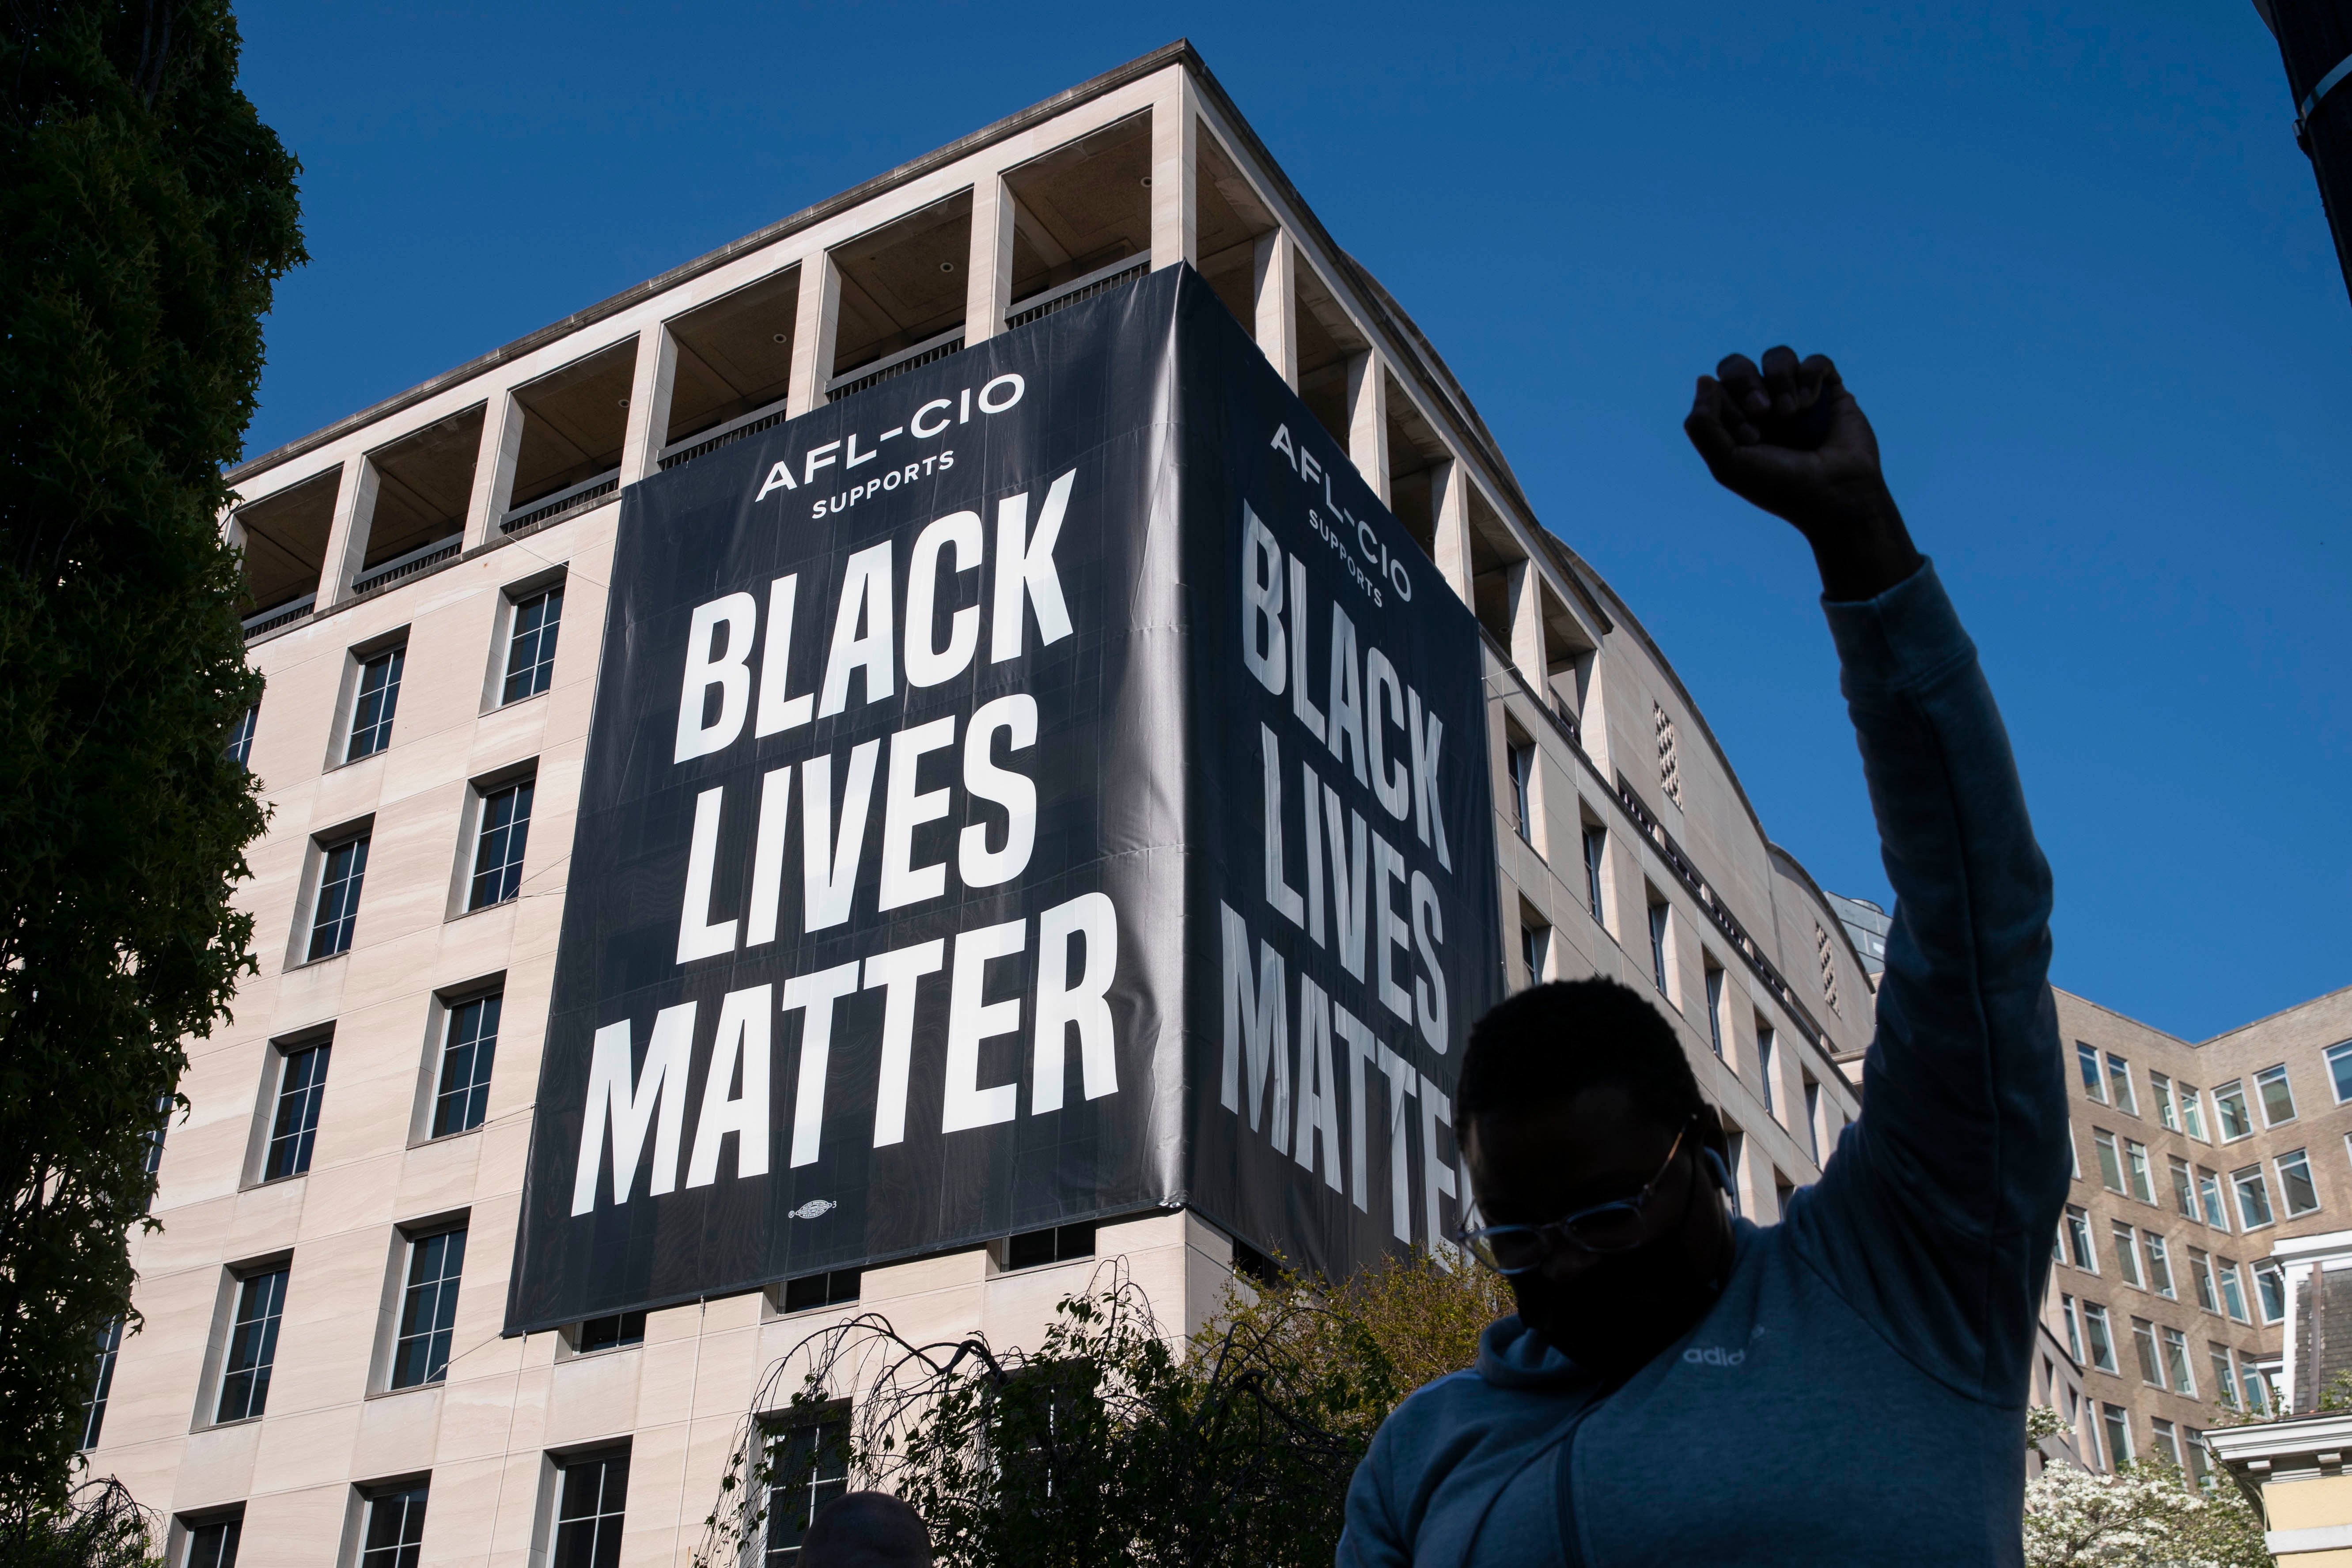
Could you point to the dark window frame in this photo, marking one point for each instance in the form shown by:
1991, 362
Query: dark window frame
296, 1107
376, 700
426, 1306
335, 897
459, 1107
530, 666
249, 1355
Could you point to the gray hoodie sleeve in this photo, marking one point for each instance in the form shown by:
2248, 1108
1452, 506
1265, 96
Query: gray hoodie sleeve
1935, 1216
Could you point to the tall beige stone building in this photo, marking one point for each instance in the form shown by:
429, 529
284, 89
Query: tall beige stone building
322, 1376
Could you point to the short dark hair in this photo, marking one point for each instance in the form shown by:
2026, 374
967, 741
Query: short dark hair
1551, 1042
866, 1530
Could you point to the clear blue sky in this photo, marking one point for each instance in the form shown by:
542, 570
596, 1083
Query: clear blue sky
2069, 258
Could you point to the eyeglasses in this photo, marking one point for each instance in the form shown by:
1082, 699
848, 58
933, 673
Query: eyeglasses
1615, 1227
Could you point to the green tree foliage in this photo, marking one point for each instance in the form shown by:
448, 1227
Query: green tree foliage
148, 213
1114, 1441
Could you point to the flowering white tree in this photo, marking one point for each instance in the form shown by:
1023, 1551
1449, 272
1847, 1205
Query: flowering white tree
2139, 1516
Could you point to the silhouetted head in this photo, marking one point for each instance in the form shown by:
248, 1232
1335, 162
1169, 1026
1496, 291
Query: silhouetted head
1576, 1097
866, 1530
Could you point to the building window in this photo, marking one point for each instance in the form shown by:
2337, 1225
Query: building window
2136, 1164
2192, 1112
301, 1091
1535, 947
2160, 1089
838, 1289
2230, 1108
2296, 1189
252, 1346
101, 1385
2200, 1465
2095, 1330
2159, 1264
2066, 1310
2094, 1088
1658, 916
589, 1513
396, 1529
2234, 1291
2339, 1070
2200, 1269
2151, 1370
470, 1045
1596, 848
428, 1309
530, 649
2176, 1364
2162, 1443
2254, 1197
1768, 1059
1714, 1008
1813, 1117
213, 1544
371, 709
1521, 757
2225, 1381
240, 737
2278, 1099
2127, 1253
499, 845
2184, 1196
2270, 1290
2111, 1168
341, 869
2119, 1084
1735, 1151
616, 1333
2118, 1425
2078, 1237
2256, 1387
808, 1467
1034, 1249
2208, 1192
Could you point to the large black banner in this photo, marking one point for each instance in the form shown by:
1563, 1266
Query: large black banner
1044, 786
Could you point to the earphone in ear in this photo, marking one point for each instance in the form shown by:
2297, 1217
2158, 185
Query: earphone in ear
1716, 1170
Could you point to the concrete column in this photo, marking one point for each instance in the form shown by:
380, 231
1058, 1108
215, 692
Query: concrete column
347, 537
988, 290
494, 468
1526, 622
650, 385
1277, 282
1449, 504
1175, 141
1368, 421
815, 326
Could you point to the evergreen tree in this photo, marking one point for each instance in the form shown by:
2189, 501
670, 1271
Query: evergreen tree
147, 213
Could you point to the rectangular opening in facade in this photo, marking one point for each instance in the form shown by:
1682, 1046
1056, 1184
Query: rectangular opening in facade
1493, 553
1568, 658
1414, 453
1228, 219
1327, 342
574, 422
1081, 214
902, 294
425, 481
734, 359
286, 548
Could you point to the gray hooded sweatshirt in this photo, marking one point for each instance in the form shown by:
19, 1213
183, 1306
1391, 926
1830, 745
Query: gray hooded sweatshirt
1857, 1394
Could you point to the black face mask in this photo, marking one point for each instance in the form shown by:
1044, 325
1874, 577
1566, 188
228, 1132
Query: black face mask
1620, 1311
